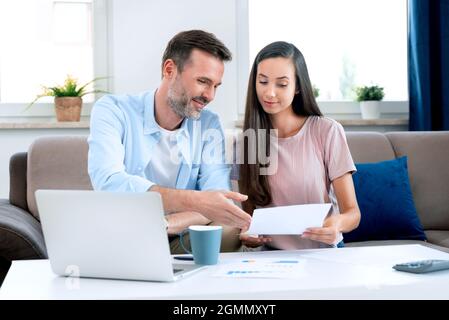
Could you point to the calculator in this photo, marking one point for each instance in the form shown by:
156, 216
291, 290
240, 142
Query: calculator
422, 266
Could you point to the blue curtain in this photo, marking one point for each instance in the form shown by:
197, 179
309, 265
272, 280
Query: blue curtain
428, 64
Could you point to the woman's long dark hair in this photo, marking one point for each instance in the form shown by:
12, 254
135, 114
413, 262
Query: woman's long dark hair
251, 182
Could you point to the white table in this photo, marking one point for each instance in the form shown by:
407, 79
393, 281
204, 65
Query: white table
348, 273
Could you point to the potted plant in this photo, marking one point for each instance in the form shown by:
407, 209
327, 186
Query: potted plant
369, 97
316, 91
68, 98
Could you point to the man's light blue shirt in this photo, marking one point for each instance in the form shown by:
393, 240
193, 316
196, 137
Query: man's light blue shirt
124, 132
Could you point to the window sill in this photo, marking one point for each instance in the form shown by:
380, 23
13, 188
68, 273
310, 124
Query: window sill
372, 122
42, 123
357, 122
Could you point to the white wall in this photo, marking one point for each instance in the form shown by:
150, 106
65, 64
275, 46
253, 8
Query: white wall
141, 30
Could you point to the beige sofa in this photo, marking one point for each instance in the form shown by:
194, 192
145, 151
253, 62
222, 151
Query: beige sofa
60, 163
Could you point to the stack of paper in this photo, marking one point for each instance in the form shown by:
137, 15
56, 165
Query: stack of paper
288, 219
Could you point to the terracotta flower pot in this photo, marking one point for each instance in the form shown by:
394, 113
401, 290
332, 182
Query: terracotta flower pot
68, 108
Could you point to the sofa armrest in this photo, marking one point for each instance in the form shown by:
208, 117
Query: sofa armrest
18, 180
20, 234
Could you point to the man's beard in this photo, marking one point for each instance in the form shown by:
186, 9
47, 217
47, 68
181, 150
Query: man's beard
179, 102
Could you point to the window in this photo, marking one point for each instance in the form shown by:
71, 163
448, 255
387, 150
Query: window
346, 43
41, 42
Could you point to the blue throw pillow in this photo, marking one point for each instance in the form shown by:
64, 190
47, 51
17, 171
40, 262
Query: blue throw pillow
386, 203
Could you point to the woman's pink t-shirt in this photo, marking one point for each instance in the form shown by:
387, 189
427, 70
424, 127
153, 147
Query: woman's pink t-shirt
307, 163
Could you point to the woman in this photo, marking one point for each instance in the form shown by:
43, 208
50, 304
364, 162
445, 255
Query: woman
314, 164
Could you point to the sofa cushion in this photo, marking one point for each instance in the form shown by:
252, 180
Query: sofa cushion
369, 146
439, 237
57, 163
386, 203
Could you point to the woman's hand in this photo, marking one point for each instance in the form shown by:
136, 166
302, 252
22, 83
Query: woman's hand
253, 241
329, 233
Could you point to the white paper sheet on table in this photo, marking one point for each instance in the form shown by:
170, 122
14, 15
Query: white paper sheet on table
288, 219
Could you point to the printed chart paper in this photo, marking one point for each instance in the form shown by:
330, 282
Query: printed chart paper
283, 268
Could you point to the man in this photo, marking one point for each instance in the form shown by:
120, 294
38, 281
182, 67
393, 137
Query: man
158, 141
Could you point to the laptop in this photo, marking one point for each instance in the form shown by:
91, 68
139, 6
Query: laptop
110, 235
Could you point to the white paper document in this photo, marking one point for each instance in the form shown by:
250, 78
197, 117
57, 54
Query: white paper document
288, 219
281, 268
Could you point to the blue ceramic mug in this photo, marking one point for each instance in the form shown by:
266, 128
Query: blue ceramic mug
205, 242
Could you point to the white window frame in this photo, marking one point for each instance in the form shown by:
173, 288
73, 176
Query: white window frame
101, 19
333, 109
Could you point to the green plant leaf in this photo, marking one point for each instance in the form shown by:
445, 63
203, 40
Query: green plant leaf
369, 93
316, 91
94, 91
86, 84
34, 101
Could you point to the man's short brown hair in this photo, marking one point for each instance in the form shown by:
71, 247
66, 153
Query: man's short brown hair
182, 44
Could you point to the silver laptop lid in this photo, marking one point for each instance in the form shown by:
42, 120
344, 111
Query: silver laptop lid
105, 234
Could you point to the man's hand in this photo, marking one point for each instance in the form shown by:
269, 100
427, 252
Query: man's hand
179, 221
329, 233
218, 207
254, 242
